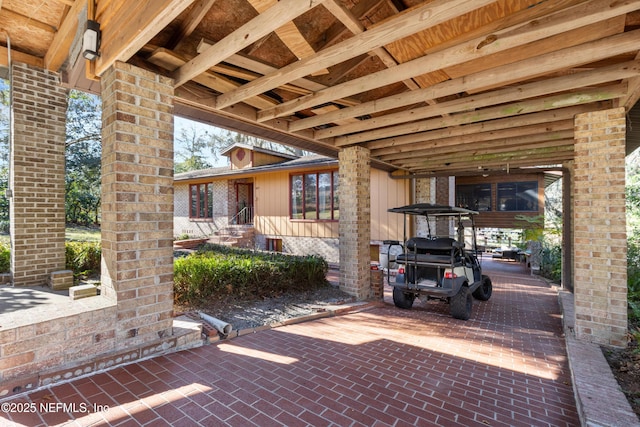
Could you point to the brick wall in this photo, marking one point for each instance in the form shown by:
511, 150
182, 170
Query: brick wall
137, 202
355, 226
37, 175
599, 227
182, 224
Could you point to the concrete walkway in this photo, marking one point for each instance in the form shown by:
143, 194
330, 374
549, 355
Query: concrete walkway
381, 366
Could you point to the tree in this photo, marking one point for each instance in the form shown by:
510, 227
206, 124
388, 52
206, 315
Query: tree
83, 152
193, 144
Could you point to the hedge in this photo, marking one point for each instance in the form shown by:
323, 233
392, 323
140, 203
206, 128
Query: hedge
218, 273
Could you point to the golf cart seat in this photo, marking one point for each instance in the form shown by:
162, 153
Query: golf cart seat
424, 250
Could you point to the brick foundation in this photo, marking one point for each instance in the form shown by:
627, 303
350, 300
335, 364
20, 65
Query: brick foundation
599, 228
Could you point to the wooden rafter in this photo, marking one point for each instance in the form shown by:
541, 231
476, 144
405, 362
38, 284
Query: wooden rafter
519, 71
265, 23
420, 140
503, 96
509, 38
191, 22
394, 29
584, 96
128, 28
61, 44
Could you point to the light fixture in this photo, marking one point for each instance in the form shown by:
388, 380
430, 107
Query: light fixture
91, 40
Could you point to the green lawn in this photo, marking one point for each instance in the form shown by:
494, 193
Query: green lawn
74, 233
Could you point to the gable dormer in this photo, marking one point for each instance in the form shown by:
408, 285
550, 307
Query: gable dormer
243, 156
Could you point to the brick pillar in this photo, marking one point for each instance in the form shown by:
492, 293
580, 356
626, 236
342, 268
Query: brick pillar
137, 202
567, 229
442, 197
37, 163
425, 192
599, 228
355, 221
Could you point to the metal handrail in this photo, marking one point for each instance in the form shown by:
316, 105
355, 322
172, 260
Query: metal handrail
246, 214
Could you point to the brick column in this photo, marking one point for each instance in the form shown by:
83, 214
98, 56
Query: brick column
442, 196
599, 228
137, 202
37, 163
425, 192
355, 221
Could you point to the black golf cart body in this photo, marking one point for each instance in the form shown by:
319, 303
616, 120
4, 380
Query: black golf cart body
440, 267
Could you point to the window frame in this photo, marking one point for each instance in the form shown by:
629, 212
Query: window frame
476, 188
208, 201
516, 184
332, 197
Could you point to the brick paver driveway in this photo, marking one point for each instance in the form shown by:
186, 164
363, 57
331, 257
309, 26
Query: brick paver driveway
380, 367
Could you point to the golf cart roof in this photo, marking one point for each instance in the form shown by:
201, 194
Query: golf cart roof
431, 209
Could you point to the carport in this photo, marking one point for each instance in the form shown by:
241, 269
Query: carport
427, 90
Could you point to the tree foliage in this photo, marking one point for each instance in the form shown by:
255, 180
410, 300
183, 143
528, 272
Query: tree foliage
83, 158
199, 148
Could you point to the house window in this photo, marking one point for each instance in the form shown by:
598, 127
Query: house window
274, 245
201, 201
476, 197
518, 196
314, 196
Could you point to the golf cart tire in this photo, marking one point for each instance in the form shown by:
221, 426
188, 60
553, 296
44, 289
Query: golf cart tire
461, 304
403, 299
484, 291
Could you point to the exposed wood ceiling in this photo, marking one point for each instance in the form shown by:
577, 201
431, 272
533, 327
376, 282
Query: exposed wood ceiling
443, 87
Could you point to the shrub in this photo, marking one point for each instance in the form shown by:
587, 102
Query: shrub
83, 257
551, 262
633, 278
5, 259
217, 273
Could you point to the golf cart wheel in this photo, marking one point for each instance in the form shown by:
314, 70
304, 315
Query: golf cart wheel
461, 304
483, 293
403, 299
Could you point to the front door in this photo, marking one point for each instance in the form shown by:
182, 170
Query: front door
244, 203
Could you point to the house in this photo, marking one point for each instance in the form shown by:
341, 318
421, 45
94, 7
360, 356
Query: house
291, 202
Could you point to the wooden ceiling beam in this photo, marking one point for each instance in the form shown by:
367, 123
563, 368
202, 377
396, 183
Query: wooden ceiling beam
584, 96
387, 145
473, 139
289, 34
343, 15
171, 61
513, 158
19, 57
132, 25
496, 145
300, 86
61, 45
265, 23
417, 19
191, 22
509, 38
519, 71
502, 96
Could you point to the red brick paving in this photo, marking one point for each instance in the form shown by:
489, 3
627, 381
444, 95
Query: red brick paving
506, 366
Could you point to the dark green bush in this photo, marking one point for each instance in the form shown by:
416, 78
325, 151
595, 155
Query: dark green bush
633, 278
551, 262
5, 259
83, 257
218, 273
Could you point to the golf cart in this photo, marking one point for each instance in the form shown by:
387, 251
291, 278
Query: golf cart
439, 266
